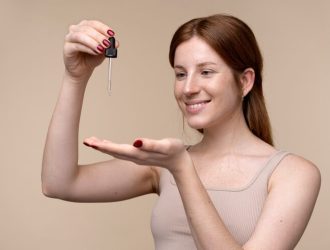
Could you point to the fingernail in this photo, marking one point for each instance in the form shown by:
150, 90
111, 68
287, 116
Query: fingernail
89, 145
111, 32
106, 43
138, 144
100, 48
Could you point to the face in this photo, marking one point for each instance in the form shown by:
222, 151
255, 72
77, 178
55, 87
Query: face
205, 88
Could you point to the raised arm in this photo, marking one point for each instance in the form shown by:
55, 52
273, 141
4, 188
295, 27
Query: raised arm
62, 177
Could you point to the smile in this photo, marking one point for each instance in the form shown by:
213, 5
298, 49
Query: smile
196, 107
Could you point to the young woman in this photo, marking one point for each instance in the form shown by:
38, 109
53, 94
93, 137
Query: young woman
233, 189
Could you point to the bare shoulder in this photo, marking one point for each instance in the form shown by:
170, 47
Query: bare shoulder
293, 191
297, 171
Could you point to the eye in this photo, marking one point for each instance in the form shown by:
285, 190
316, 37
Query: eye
207, 72
180, 75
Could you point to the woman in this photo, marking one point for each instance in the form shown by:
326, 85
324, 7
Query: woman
233, 189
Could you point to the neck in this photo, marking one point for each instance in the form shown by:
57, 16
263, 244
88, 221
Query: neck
228, 137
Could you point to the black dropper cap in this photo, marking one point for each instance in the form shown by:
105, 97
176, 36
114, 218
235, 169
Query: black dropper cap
111, 51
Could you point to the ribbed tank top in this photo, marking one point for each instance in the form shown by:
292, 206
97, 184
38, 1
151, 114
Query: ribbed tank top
239, 209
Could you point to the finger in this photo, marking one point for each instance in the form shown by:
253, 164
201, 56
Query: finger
109, 147
117, 44
125, 151
91, 141
84, 39
74, 47
99, 26
94, 33
102, 28
151, 145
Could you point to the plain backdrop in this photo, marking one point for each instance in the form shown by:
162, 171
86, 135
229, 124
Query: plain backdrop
295, 41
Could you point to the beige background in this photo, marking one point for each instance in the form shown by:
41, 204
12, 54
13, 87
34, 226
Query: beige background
294, 38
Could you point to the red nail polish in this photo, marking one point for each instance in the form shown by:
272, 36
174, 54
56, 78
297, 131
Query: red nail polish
100, 48
89, 145
138, 144
106, 43
111, 32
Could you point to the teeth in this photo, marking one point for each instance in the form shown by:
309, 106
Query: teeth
196, 105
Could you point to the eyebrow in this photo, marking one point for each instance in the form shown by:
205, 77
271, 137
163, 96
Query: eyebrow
200, 65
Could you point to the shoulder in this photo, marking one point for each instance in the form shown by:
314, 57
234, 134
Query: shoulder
296, 171
293, 190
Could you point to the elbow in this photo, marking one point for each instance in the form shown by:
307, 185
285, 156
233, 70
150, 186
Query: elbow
57, 187
48, 184
55, 191
48, 190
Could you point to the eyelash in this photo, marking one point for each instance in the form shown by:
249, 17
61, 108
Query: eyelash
205, 73
180, 75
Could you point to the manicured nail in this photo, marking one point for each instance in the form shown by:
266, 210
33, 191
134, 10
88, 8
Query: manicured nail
100, 48
111, 32
138, 144
89, 145
106, 43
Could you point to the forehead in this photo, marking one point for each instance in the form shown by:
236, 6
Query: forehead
195, 51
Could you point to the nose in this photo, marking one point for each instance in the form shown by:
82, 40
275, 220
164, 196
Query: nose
191, 86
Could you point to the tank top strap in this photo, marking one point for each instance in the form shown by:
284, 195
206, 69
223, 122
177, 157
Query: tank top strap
274, 162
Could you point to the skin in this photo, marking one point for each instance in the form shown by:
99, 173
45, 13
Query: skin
201, 77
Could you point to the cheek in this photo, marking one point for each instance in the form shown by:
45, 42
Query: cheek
177, 92
226, 93
233, 91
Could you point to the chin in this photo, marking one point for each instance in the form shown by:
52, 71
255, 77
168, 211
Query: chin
198, 125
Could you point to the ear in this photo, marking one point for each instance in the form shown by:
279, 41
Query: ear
247, 81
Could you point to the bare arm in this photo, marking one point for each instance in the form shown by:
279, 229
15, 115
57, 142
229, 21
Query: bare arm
293, 190
292, 195
206, 225
62, 177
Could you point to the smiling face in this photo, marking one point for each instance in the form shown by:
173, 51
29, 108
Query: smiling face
205, 88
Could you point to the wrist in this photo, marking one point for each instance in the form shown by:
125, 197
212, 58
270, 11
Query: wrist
75, 80
184, 167
73, 86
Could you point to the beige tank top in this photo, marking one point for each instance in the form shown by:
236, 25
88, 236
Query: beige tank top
239, 209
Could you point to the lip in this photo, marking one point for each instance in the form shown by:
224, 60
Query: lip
196, 106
